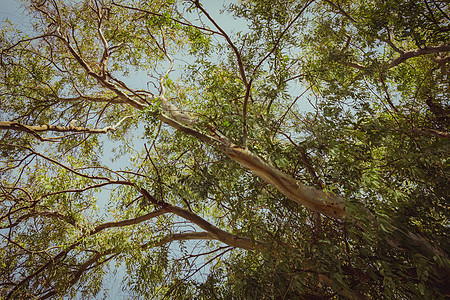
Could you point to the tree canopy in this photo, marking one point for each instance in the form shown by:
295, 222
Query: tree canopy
301, 154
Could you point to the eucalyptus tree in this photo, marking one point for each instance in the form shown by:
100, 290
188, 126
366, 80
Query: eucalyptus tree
304, 156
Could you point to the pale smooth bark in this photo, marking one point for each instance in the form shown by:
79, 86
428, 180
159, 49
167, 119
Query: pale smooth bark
312, 198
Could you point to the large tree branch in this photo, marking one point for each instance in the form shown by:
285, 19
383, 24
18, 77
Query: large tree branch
219, 234
418, 52
314, 199
129, 222
405, 56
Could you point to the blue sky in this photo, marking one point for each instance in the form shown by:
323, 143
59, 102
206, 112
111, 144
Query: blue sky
11, 9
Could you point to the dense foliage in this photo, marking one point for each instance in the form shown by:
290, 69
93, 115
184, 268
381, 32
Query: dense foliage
283, 149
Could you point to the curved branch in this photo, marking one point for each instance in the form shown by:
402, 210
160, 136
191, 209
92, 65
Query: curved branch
129, 222
314, 199
219, 234
418, 52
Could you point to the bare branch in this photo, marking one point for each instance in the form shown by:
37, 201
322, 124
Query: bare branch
314, 199
219, 234
129, 222
52, 128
